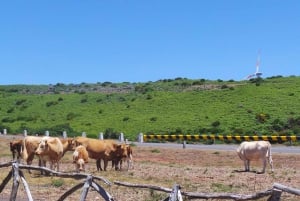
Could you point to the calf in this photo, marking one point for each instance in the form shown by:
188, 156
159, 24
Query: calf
80, 158
126, 157
16, 149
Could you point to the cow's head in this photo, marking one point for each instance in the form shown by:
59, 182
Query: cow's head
71, 144
121, 150
80, 165
43, 146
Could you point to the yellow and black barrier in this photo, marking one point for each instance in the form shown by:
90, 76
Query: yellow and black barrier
271, 138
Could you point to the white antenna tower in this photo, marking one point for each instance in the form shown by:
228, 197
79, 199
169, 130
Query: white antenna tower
257, 74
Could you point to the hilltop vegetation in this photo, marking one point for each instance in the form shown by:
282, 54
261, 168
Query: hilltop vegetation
181, 106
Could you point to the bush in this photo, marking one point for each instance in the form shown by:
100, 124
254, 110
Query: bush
51, 103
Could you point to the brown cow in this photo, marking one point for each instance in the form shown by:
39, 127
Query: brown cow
16, 149
107, 150
80, 157
128, 158
50, 149
68, 144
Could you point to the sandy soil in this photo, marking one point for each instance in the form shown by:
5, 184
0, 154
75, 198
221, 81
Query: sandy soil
194, 170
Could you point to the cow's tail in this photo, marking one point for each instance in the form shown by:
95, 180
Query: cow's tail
269, 156
24, 151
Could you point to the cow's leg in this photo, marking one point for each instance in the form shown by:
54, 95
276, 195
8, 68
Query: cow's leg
271, 163
264, 161
29, 161
105, 164
57, 163
246, 165
98, 164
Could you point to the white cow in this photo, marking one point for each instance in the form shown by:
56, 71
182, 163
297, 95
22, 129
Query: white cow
256, 150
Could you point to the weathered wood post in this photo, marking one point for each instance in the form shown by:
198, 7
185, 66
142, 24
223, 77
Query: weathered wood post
276, 194
175, 195
4, 131
16, 182
25, 133
83, 134
46, 133
184, 144
86, 187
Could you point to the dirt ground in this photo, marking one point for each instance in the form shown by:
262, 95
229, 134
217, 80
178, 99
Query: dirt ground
194, 170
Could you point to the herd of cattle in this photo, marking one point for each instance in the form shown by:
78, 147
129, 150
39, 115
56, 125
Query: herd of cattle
52, 149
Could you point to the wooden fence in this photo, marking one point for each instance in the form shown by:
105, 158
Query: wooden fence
175, 194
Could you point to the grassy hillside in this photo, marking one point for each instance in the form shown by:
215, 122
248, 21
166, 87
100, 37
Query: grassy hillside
166, 106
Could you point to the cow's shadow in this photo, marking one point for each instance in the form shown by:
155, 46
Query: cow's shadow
251, 171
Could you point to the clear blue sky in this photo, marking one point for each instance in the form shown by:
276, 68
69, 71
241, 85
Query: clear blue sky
49, 42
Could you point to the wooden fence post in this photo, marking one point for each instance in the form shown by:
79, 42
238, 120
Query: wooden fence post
175, 195
103, 193
86, 187
276, 194
16, 182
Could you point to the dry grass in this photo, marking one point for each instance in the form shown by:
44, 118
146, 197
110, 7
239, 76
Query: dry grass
193, 170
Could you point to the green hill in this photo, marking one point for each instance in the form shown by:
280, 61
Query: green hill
183, 106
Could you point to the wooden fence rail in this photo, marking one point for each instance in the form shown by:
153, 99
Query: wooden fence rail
16, 174
175, 194
274, 193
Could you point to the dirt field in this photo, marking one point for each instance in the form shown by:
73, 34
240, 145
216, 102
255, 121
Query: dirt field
194, 170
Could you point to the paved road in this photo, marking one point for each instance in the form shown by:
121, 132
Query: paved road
276, 148
220, 147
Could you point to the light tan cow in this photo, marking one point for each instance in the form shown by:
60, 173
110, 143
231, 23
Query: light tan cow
107, 150
50, 149
30, 144
80, 158
256, 150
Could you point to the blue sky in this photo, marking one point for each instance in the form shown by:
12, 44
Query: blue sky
49, 42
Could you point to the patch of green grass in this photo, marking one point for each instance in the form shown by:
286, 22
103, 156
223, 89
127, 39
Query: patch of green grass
57, 182
218, 187
155, 151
